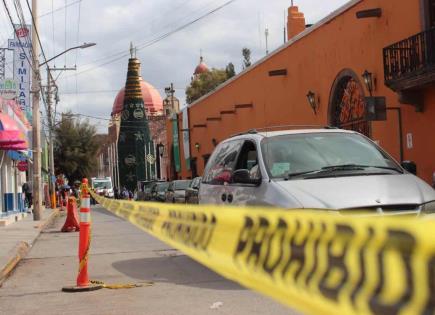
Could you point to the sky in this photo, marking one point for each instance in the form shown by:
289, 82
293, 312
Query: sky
113, 24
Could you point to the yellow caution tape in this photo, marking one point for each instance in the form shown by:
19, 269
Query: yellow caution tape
116, 286
317, 262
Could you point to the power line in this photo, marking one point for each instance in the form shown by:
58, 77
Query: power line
161, 37
59, 9
52, 26
66, 11
37, 32
77, 52
139, 31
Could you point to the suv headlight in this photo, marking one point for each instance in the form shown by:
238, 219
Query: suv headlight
428, 208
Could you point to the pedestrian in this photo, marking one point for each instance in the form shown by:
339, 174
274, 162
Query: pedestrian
116, 193
27, 189
130, 195
124, 193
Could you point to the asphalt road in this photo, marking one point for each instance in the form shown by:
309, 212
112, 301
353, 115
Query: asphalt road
121, 253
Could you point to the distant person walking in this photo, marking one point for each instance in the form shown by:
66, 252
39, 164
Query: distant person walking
124, 193
27, 190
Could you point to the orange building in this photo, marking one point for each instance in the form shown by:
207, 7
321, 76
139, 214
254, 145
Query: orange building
381, 49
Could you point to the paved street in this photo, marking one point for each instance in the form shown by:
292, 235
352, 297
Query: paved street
121, 253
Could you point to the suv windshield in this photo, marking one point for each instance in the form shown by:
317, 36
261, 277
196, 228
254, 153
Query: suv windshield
300, 154
181, 184
102, 184
162, 187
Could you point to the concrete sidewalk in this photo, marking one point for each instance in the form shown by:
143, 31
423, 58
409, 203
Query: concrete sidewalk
16, 239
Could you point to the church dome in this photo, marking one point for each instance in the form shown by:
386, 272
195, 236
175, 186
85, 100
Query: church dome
151, 97
201, 68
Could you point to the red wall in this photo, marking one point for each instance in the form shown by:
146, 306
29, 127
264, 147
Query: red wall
313, 63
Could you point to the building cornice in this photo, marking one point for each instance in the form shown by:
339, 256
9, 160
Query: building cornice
293, 40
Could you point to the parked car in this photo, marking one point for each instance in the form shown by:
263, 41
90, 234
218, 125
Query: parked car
176, 191
158, 191
192, 190
144, 190
148, 189
314, 169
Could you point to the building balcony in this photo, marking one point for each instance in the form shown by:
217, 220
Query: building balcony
410, 64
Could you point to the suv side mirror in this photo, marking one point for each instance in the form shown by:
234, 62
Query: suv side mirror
410, 166
243, 176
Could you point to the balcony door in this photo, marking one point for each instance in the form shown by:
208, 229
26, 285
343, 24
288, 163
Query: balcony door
429, 8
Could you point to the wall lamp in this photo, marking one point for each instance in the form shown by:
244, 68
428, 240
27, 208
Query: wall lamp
197, 146
313, 101
368, 81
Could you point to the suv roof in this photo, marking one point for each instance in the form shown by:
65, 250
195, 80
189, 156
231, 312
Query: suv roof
266, 134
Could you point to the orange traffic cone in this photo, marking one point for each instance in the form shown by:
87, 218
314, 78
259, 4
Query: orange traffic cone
83, 283
71, 223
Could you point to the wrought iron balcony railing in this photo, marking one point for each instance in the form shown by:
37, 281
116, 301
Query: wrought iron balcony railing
410, 63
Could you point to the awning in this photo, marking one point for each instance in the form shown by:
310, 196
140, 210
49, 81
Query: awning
17, 155
12, 137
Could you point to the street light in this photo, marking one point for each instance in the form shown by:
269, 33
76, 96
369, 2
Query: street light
368, 81
85, 45
314, 104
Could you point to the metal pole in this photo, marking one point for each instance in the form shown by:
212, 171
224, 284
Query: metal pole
36, 120
113, 152
117, 164
151, 168
146, 162
155, 160
266, 33
399, 117
109, 158
50, 142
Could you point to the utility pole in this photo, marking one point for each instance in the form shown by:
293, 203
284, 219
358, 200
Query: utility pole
50, 141
2, 63
36, 119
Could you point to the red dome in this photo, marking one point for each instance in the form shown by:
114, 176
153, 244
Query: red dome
151, 98
201, 68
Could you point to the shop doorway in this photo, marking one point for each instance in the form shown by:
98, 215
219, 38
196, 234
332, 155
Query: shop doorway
194, 167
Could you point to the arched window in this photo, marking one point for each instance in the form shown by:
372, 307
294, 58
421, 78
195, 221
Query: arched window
347, 103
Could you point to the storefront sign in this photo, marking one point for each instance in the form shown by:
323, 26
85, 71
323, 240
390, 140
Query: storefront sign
21, 46
8, 89
16, 156
22, 166
186, 142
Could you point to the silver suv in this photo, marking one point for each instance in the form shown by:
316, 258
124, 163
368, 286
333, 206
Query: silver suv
314, 169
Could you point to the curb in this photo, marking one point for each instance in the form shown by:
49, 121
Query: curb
19, 252
41, 226
22, 248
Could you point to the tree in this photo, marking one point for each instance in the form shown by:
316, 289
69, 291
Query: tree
246, 52
205, 83
230, 70
75, 147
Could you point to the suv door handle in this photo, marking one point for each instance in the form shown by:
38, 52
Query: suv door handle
230, 198
224, 197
